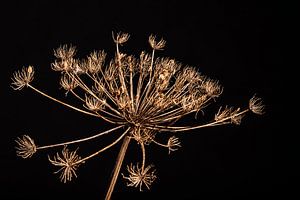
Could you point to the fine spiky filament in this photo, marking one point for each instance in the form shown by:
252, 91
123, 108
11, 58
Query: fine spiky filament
146, 96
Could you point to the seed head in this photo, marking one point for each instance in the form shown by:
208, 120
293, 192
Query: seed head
173, 144
67, 82
68, 163
26, 147
22, 78
139, 177
156, 45
94, 104
121, 38
256, 105
65, 52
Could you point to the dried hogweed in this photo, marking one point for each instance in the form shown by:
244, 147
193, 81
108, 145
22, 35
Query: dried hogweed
142, 96
69, 162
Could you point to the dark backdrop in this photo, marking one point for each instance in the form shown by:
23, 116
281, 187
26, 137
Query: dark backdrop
239, 43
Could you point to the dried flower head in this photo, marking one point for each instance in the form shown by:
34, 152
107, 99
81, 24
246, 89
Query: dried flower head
95, 62
22, 78
229, 113
94, 104
65, 52
156, 45
26, 147
236, 116
68, 163
67, 82
145, 96
139, 176
256, 105
212, 88
223, 113
173, 144
120, 37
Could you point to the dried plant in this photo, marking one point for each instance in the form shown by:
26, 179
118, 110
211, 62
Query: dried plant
68, 163
142, 96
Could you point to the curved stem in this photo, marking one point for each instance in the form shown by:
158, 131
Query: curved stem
63, 103
186, 128
103, 149
160, 144
70, 106
77, 96
80, 140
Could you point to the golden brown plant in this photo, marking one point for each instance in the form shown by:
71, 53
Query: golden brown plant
69, 162
144, 96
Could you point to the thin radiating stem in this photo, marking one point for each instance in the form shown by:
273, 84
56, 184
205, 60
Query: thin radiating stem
143, 98
105, 148
131, 91
102, 110
61, 102
160, 144
185, 128
81, 140
139, 86
88, 90
104, 90
121, 74
70, 106
77, 96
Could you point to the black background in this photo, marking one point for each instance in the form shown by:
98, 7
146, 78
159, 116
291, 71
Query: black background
239, 43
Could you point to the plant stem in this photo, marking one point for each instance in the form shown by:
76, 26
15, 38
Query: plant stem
144, 155
80, 140
117, 168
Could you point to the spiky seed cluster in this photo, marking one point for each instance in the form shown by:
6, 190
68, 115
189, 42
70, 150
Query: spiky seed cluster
173, 144
229, 113
68, 163
22, 78
144, 136
95, 62
65, 52
256, 105
94, 104
138, 176
26, 147
65, 59
68, 83
121, 38
156, 45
